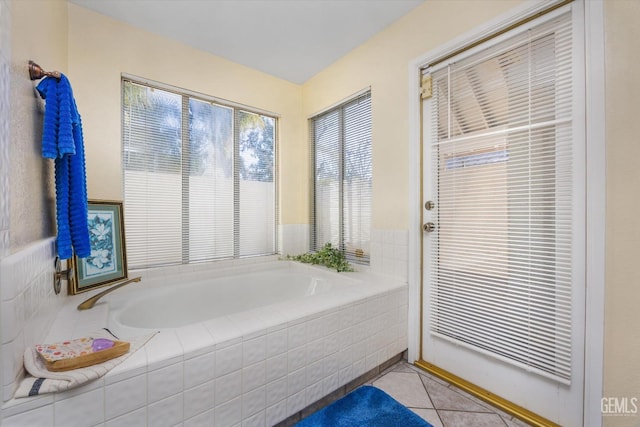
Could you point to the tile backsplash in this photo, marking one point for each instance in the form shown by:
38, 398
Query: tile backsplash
390, 252
389, 248
28, 306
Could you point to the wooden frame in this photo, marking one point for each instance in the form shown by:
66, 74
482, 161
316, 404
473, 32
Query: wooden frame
107, 262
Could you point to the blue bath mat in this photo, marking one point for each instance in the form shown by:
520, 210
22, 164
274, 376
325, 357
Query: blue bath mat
364, 407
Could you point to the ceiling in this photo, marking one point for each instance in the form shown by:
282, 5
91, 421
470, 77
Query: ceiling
290, 39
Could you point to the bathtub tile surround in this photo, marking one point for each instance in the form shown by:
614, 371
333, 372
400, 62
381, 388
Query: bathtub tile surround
29, 306
390, 252
273, 367
389, 248
293, 239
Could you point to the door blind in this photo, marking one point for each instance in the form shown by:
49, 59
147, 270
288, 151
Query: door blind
501, 145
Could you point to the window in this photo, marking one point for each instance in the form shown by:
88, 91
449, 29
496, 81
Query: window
199, 178
341, 157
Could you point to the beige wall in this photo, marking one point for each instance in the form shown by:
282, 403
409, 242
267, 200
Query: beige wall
383, 64
100, 49
622, 308
38, 32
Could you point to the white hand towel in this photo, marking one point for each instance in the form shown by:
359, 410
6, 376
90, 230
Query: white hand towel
43, 381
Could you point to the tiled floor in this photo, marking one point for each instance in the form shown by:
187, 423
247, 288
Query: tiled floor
438, 402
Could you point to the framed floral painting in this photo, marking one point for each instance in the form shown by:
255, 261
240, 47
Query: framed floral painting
107, 262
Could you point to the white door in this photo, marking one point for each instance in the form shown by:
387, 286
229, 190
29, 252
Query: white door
503, 245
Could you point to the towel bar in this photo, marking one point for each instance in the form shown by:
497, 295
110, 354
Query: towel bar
36, 72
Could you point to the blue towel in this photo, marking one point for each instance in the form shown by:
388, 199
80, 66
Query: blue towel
62, 140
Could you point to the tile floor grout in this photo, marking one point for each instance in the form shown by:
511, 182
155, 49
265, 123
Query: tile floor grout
449, 406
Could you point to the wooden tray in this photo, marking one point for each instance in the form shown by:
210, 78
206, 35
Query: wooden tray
119, 348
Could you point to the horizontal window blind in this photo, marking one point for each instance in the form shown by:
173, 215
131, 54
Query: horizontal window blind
341, 158
199, 178
502, 150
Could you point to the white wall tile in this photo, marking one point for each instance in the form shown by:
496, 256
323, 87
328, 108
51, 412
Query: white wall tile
228, 387
88, 407
198, 399
203, 420
228, 359
253, 376
276, 367
315, 372
125, 396
296, 381
257, 420
167, 412
276, 413
40, 417
134, 418
229, 414
200, 369
296, 402
276, 342
165, 382
254, 350
297, 335
297, 358
253, 402
276, 391
313, 392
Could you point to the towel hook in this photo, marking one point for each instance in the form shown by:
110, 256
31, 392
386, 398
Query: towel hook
36, 72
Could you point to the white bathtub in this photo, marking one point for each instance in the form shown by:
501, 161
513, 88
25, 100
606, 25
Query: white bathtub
240, 343
204, 298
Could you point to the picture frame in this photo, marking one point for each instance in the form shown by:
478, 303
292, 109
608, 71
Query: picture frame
108, 261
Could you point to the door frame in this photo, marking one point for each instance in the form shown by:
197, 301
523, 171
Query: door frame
593, 32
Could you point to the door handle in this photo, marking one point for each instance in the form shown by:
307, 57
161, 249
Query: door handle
428, 227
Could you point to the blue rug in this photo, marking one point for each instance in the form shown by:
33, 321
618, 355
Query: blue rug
364, 407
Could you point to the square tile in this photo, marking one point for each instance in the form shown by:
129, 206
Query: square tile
229, 413
203, 420
253, 402
296, 381
199, 370
228, 387
257, 420
296, 358
88, 406
462, 418
228, 359
276, 342
253, 376
41, 417
254, 350
165, 382
276, 413
167, 412
276, 391
125, 396
276, 367
135, 418
199, 399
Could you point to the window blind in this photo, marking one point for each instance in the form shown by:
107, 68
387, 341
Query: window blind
199, 178
501, 145
341, 159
